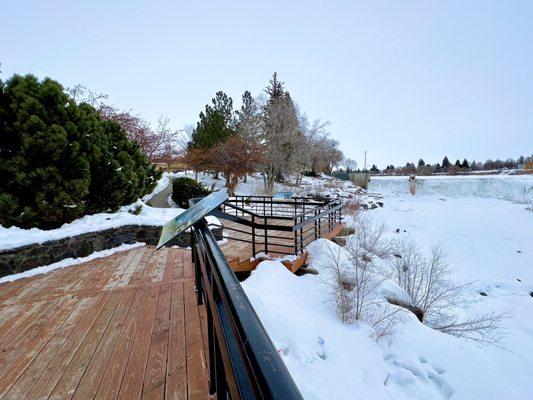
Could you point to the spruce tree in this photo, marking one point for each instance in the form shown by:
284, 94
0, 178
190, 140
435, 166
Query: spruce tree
464, 164
446, 164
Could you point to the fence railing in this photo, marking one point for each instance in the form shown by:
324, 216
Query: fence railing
243, 362
278, 226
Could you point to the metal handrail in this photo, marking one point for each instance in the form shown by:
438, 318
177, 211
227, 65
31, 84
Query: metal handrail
243, 362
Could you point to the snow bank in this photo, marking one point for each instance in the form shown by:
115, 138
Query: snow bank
489, 244
16, 237
67, 262
517, 188
321, 353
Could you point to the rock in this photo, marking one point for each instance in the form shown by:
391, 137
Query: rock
397, 230
373, 206
519, 280
380, 203
483, 293
531, 294
340, 240
518, 251
366, 258
414, 309
397, 255
347, 231
306, 270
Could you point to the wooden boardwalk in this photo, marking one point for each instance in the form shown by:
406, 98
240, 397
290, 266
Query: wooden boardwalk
121, 327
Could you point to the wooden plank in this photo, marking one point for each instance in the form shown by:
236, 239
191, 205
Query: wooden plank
335, 231
140, 272
110, 385
134, 376
67, 384
158, 271
295, 265
156, 367
48, 380
169, 265
29, 352
90, 381
31, 375
121, 269
126, 277
196, 362
176, 383
16, 341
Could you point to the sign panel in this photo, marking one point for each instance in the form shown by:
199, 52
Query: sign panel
189, 217
283, 195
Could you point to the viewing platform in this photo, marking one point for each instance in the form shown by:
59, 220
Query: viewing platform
147, 324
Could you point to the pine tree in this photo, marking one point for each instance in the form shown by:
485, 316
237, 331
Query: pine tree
458, 163
59, 160
421, 163
216, 123
465, 164
446, 164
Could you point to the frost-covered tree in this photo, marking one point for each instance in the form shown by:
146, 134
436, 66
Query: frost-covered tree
282, 133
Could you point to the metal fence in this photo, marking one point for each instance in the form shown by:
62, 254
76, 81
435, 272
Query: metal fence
243, 362
278, 226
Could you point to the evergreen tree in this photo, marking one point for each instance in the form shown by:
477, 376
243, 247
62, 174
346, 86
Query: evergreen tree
216, 123
59, 160
458, 163
446, 164
374, 169
248, 123
421, 163
465, 164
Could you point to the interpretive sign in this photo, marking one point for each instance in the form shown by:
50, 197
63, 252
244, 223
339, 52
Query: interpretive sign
190, 216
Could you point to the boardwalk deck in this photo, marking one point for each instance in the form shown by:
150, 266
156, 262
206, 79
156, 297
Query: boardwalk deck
121, 327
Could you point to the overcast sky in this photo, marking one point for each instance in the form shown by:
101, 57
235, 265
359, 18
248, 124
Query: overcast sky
400, 79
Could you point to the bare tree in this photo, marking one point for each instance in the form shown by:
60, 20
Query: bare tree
353, 280
162, 144
429, 285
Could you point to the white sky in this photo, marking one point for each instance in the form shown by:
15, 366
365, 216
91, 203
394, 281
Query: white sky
403, 80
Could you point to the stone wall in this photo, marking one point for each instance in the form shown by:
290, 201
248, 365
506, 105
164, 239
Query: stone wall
21, 259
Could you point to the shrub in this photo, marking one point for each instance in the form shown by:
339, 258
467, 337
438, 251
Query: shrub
59, 160
184, 189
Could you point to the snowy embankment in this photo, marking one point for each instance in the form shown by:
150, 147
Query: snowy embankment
517, 188
490, 249
16, 237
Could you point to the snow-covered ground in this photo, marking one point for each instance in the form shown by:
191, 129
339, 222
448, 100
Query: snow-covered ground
517, 188
489, 243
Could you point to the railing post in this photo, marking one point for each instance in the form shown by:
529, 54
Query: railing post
197, 271
302, 234
295, 221
266, 236
316, 231
253, 235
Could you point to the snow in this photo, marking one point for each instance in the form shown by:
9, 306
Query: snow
489, 245
518, 188
67, 262
15, 237
162, 183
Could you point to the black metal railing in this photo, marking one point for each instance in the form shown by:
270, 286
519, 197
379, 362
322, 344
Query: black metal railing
243, 362
278, 226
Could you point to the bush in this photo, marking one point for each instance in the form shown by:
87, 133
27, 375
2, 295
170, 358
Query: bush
184, 189
59, 160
